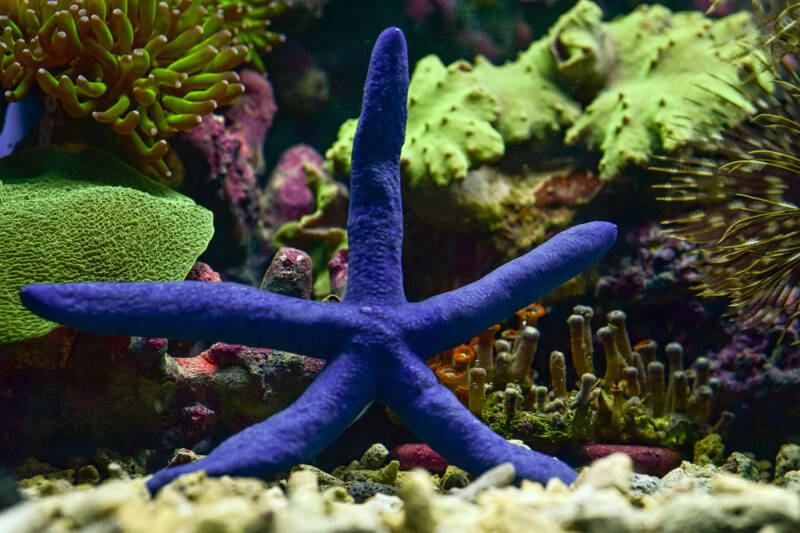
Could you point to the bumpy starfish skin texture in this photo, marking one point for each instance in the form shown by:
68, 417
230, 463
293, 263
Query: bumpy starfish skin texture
375, 341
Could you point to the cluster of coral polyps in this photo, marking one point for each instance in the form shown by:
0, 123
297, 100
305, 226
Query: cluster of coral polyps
147, 69
637, 399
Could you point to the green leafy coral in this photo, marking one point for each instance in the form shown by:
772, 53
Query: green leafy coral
80, 215
651, 81
148, 69
445, 136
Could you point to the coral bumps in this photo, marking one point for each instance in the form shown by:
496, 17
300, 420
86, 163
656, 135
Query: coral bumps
648, 82
147, 69
684, 86
87, 216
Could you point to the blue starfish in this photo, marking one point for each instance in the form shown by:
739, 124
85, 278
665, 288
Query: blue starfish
375, 341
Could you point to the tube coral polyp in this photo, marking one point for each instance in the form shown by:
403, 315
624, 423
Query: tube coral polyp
146, 68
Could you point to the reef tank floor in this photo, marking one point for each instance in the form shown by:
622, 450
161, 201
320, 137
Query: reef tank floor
371, 495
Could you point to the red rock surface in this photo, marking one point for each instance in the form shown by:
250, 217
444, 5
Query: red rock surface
652, 460
419, 456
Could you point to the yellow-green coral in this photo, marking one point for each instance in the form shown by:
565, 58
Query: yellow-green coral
449, 130
146, 68
679, 78
651, 81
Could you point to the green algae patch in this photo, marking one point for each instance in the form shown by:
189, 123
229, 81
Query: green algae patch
70, 215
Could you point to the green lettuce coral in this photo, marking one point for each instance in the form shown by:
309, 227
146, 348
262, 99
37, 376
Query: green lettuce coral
81, 215
651, 81
148, 69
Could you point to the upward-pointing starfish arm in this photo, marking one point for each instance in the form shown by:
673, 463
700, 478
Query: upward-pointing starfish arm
436, 416
448, 319
197, 310
375, 223
294, 435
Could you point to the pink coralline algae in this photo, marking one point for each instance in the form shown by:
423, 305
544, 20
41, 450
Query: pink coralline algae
250, 117
289, 273
223, 159
287, 196
239, 384
419, 456
202, 272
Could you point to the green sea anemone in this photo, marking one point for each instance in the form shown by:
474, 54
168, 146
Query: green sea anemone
146, 68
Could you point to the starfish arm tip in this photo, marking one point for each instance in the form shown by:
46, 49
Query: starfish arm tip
46, 300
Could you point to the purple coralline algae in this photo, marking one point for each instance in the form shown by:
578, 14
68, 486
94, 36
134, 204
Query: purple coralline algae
659, 265
651, 460
760, 383
289, 273
653, 275
375, 341
287, 196
223, 162
337, 266
419, 456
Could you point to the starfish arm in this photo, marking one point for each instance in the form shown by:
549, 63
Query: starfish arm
375, 223
435, 415
451, 318
198, 310
294, 435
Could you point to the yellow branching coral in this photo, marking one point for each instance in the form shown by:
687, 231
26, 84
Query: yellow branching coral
147, 68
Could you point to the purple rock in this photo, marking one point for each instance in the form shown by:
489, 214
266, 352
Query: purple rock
338, 272
288, 197
289, 273
760, 384
251, 115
